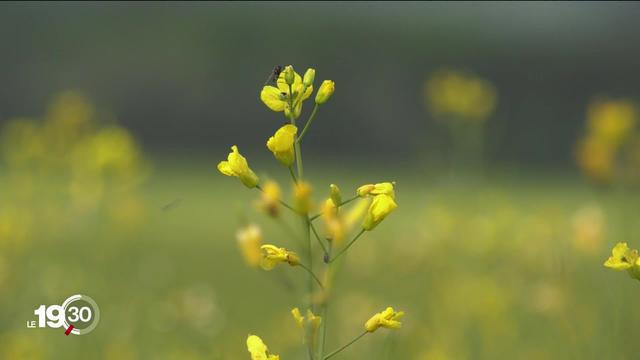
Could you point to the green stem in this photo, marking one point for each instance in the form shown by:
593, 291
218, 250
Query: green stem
348, 246
312, 275
308, 124
346, 346
325, 307
324, 249
293, 176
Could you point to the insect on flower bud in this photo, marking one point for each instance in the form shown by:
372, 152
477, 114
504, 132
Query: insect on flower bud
309, 76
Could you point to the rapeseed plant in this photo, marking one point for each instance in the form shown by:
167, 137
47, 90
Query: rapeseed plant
372, 204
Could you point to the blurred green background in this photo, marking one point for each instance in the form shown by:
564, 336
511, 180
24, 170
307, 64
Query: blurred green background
114, 116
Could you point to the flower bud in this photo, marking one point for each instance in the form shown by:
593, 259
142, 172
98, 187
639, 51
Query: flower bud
324, 93
289, 75
309, 76
336, 196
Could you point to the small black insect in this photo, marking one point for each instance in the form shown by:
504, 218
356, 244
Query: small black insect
273, 77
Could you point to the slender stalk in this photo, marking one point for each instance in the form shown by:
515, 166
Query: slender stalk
348, 246
293, 176
341, 204
325, 305
312, 275
324, 249
308, 124
346, 346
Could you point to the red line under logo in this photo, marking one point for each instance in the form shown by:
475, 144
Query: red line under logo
68, 331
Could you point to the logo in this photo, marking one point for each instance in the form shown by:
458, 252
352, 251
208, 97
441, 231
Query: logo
78, 315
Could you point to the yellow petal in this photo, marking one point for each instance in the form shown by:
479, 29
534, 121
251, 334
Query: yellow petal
270, 96
225, 168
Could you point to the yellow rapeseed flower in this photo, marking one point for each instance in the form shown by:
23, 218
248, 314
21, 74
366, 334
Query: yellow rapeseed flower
236, 165
271, 196
281, 144
325, 91
381, 206
385, 188
258, 349
249, 240
302, 196
623, 258
386, 319
596, 159
272, 255
277, 97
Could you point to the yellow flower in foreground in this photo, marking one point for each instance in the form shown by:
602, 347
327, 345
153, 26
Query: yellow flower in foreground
281, 144
386, 319
249, 240
381, 206
271, 196
385, 188
277, 97
623, 258
258, 349
272, 255
325, 91
302, 197
236, 165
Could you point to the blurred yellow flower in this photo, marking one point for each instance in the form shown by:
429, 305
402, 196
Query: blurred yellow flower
310, 323
236, 165
271, 196
258, 349
333, 223
302, 197
281, 144
596, 159
386, 319
611, 121
386, 188
272, 255
325, 91
588, 229
379, 209
277, 97
249, 240
459, 95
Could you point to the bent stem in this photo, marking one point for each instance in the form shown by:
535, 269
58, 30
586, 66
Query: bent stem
348, 246
346, 346
312, 275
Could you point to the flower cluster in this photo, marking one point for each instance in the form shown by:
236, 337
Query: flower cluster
370, 204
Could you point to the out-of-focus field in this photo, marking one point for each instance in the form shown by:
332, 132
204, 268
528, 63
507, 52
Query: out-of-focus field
501, 267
